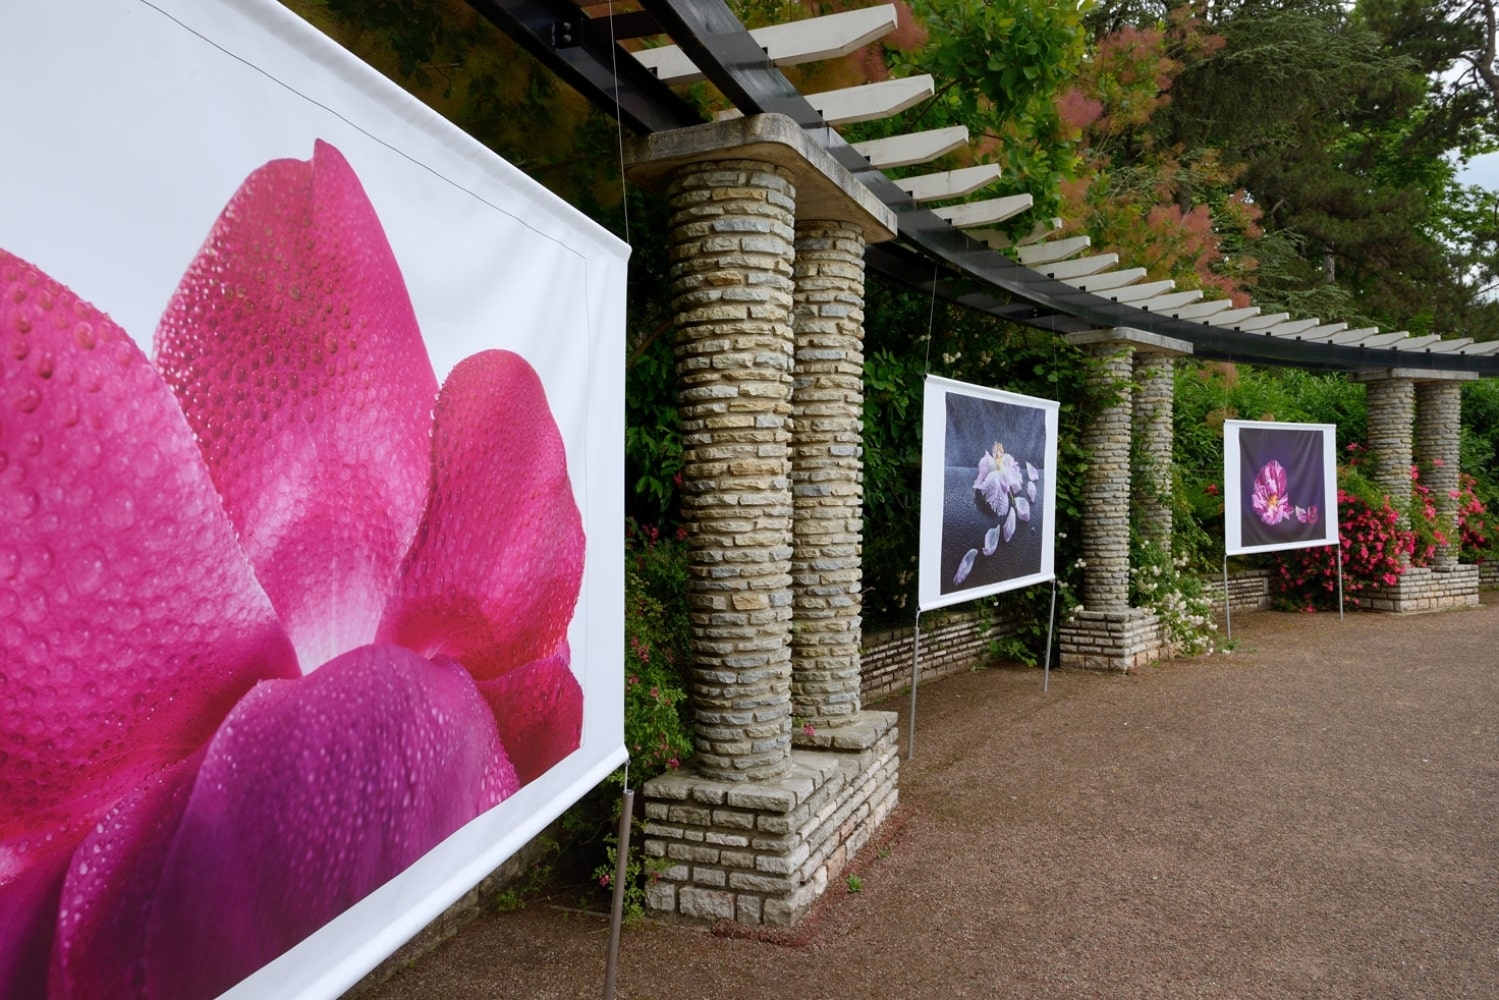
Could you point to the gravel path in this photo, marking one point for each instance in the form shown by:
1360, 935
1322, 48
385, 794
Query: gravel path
1313, 815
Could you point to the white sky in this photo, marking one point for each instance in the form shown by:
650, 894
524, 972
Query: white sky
1483, 171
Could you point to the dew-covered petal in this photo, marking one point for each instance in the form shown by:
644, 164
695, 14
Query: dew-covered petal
965, 567
313, 793
1010, 525
991, 540
986, 466
293, 347
130, 622
1022, 508
1030, 492
1009, 473
1031, 472
494, 572
538, 709
995, 496
28, 916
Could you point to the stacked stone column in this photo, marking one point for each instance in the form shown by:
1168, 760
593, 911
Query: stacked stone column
732, 251
827, 473
1390, 404
1153, 406
1106, 484
1438, 437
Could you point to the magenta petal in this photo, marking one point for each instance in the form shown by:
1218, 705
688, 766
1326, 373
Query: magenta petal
293, 347
130, 622
539, 711
494, 572
28, 917
314, 793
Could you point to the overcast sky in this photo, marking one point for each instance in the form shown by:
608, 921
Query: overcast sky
1483, 171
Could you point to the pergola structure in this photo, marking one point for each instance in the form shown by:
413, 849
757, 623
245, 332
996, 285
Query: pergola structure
775, 219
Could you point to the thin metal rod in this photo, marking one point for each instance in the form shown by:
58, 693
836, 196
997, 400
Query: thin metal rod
1228, 604
1051, 628
621, 865
1340, 581
915, 676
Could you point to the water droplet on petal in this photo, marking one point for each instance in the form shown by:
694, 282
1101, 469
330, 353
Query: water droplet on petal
1010, 526
1023, 508
965, 567
991, 540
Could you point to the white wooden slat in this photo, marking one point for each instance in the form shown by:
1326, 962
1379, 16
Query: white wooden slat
1095, 282
1166, 303
1199, 310
1232, 316
1486, 347
1450, 346
1322, 332
1354, 336
912, 148
1138, 293
1042, 229
1414, 343
1087, 270
986, 212
789, 44
1292, 328
1258, 323
949, 183
1378, 339
1051, 250
872, 100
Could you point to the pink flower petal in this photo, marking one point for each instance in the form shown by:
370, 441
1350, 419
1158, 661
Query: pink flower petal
539, 711
28, 915
130, 622
494, 572
314, 793
293, 348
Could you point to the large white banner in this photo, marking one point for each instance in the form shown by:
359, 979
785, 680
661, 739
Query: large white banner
294, 646
988, 492
1280, 485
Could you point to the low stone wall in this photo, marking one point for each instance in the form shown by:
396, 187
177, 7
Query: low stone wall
1427, 589
1249, 590
1111, 640
951, 642
762, 852
1488, 574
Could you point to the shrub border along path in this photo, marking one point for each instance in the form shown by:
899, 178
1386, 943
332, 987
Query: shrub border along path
1313, 815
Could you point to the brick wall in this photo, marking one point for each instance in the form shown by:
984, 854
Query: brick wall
951, 642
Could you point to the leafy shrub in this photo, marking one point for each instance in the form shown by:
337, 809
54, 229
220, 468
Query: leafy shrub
1373, 544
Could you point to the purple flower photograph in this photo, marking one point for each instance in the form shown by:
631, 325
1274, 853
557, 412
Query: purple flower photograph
1283, 485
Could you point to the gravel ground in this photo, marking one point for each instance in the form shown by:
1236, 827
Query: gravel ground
1313, 815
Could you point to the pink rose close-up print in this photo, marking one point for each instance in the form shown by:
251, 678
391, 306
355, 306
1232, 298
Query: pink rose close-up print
278, 614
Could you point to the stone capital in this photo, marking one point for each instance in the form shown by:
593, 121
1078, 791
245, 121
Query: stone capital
1410, 374
1124, 336
826, 190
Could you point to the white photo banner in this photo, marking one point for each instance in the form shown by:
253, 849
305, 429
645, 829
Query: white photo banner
1280, 484
988, 492
310, 513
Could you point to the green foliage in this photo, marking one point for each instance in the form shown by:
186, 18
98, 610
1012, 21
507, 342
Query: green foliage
658, 635
1166, 586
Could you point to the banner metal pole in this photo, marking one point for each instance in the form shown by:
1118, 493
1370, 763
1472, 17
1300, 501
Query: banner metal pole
1340, 582
1051, 629
915, 676
621, 866
1228, 604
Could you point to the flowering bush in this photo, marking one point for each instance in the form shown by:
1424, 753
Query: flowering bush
1429, 529
1478, 540
1372, 542
1159, 582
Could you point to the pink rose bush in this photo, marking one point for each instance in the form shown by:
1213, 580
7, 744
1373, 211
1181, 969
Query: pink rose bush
278, 616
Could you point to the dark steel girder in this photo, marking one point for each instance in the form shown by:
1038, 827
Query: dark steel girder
975, 275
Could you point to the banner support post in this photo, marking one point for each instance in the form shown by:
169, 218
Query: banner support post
621, 865
1051, 631
1340, 581
1228, 604
915, 676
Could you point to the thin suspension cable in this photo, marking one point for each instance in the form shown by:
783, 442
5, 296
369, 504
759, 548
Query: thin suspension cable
619, 125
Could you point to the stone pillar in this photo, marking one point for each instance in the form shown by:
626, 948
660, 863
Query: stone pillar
1420, 407
827, 473
1107, 634
1438, 437
1391, 404
752, 828
1106, 484
1153, 403
731, 250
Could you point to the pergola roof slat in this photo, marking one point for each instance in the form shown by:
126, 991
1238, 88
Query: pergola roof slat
1293, 327
872, 100
986, 212
1198, 310
1084, 267
913, 147
1232, 316
1139, 293
1052, 250
1450, 346
1166, 303
949, 183
1377, 339
1039, 232
1259, 323
788, 44
1412, 343
1322, 332
1092, 281
1354, 336
1478, 350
